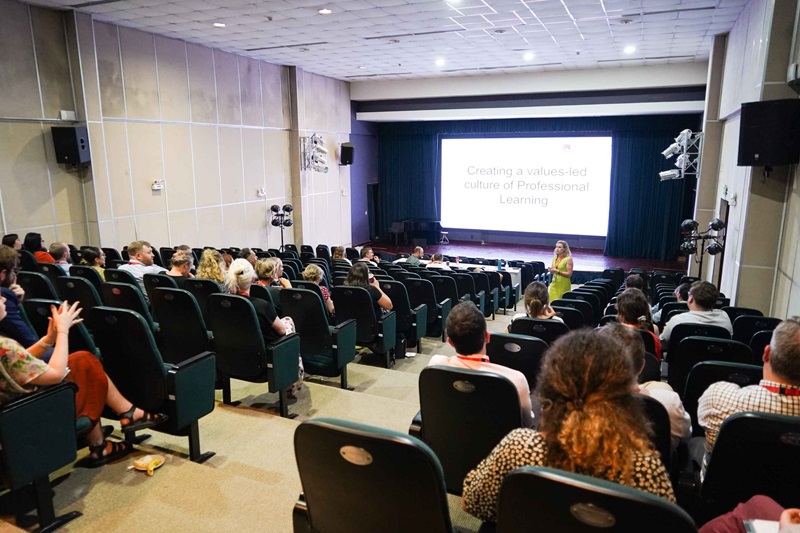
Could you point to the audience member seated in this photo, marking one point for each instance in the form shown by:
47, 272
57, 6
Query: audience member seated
634, 311
681, 294
313, 273
368, 255
187, 249
247, 253
338, 254
13, 325
95, 258
414, 258
590, 424
181, 263
537, 303
60, 252
35, 244
269, 273
238, 281
23, 372
212, 266
228, 258
778, 392
12, 240
702, 297
634, 281
359, 276
140, 262
679, 420
437, 262
756, 508
466, 332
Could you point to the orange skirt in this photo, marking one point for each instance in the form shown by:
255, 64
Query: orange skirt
86, 371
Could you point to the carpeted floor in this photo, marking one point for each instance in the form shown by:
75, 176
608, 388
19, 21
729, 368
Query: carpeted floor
252, 482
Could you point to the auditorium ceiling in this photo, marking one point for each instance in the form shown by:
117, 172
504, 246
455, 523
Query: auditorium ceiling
405, 39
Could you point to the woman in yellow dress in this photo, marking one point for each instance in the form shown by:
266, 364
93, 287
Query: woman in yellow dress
561, 271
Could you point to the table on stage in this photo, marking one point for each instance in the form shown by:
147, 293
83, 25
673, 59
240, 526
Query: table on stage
516, 276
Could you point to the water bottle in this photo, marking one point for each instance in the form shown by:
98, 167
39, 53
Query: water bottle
499, 264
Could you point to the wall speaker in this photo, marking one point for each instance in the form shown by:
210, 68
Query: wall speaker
71, 144
346, 154
769, 133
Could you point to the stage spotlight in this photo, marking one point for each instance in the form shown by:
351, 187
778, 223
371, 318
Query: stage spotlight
288, 208
688, 247
275, 208
714, 248
716, 225
684, 136
669, 175
673, 149
689, 226
680, 161
288, 222
276, 222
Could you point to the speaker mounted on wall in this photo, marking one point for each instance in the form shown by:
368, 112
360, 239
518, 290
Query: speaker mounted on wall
346, 154
769, 133
71, 144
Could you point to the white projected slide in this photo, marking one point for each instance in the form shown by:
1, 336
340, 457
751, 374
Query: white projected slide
558, 185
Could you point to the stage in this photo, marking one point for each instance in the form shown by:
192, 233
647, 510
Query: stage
587, 263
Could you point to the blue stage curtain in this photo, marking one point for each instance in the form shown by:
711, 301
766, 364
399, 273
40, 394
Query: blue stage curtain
644, 213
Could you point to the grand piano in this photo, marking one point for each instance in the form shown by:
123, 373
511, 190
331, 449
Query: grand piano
406, 231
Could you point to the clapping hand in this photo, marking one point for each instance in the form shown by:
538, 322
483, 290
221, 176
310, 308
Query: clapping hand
62, 319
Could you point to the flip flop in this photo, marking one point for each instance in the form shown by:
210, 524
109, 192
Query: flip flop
118, 451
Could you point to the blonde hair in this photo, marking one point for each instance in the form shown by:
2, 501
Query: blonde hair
240, 276
136, 246
210, 266
266, 268
565, 244
312, 273
181, 258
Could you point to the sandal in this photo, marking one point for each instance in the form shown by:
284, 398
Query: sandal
147, 421
118, 451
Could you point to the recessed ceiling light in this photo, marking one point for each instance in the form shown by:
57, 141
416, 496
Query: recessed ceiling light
303, 49
629, 49
394, 41
219, 24
528, 56
625, 21
500, 31
440, 62
325, 11
362, 67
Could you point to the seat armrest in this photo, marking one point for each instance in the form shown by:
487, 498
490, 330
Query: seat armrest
344, 341
387, 327
191, 389
419, 315
415, 429
283, 358
446, 302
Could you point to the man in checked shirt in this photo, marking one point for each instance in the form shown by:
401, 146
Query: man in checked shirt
778, 391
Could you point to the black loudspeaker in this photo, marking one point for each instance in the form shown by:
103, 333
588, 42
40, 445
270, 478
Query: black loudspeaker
769, 133
71, 144
346, 154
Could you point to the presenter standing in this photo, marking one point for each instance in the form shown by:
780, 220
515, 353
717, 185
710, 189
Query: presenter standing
561, 271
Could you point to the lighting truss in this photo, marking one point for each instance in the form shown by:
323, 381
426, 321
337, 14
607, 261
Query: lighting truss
687, 146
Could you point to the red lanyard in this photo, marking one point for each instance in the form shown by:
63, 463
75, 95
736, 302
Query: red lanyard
783, 389
476, 359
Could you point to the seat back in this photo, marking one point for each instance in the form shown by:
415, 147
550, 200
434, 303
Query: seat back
51, 271
681, 331
693, 350
183, 331
309, 286
582, 306
591, 298
37, 311
166, 256
237, 337
519, 352
88, 273
704, 374
651, 370
615, 274
323, 252
745, 326
130, 356
657, 414
735, 312
121, 276
355, 303
260, 291
352, 254
27, 261
547, 330
201, 289
420, 292
112, 254
465, 414
401, 305
36, 285
755, 453
151, 281
445, 287
337, 459
556, 500
310, 320
127, 296
649, 341
74, 289
759, 341
465, 285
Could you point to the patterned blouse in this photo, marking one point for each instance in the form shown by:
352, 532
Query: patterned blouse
17, 369
526, 447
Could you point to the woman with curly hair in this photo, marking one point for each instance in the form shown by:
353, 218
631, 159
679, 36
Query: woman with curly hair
211, 266
591, 424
